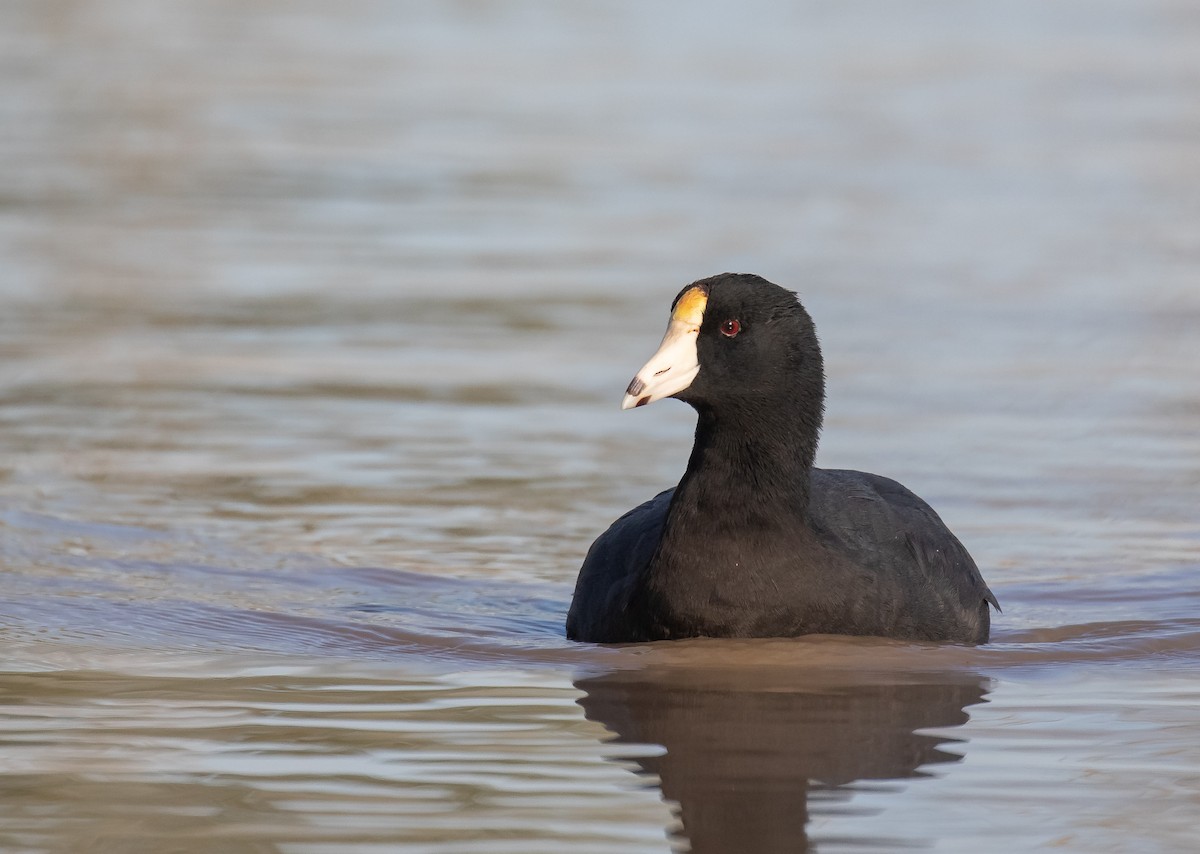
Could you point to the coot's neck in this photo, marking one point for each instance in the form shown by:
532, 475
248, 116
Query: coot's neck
750, 469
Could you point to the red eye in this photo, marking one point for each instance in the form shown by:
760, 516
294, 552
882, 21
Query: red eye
730, 328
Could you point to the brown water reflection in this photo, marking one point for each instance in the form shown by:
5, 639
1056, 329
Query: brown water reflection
749, 757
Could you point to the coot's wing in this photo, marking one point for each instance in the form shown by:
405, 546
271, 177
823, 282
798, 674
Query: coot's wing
599, 608
885, 529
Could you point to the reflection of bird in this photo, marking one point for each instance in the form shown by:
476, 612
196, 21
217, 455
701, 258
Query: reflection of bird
748, 762
755, 541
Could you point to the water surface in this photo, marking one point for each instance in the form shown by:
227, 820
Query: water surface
313, 327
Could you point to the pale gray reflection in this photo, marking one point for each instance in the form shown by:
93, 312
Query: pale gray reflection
751, 757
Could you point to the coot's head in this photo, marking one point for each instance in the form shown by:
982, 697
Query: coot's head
736, 342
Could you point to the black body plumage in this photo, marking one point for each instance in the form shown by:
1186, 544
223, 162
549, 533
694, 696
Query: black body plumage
757, 542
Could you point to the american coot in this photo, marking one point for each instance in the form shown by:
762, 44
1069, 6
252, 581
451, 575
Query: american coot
755, 541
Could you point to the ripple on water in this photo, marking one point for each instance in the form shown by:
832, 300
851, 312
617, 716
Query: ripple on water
299, 607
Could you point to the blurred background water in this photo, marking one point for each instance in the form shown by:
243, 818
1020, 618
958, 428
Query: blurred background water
314, 319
